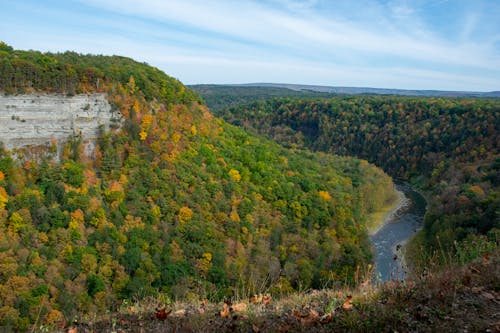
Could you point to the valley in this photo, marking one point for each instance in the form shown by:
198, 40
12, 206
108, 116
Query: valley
447, 148
399, 226
173, 203
250, 166
124, 197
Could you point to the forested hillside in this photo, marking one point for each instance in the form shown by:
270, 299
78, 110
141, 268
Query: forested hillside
221, 97
447, 147
174, 203
72, 73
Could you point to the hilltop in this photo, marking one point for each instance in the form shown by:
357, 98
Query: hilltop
287, 89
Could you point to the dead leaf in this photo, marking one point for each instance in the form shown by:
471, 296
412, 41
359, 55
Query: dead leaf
180, 313
255, 299
225, 311
266, 299
161, 313
203, 306
307, 317
123, 322
313, 314
72, 329
311, 318
255, 328
326, 318
348, 303
240, 307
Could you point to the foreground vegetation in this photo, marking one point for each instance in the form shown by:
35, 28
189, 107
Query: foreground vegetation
455, 299
174, 203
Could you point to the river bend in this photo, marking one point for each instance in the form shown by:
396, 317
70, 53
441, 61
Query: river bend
388, 242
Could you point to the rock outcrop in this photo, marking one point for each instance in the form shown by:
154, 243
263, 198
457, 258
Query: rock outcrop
34, 120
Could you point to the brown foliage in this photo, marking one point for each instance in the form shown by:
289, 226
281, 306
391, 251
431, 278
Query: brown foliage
162, 314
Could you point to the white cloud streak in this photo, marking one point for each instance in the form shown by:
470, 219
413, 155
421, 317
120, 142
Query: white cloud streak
380, 44
256, 23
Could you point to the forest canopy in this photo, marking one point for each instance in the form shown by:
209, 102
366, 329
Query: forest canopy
447, 147
174, 202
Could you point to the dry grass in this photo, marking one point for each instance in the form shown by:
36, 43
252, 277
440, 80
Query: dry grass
457, 299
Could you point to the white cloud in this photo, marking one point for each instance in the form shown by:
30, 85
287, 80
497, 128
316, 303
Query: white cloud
379, 44
470, 23
401, 10
253, 22
202, 69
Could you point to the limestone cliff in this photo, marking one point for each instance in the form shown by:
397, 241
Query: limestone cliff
38, 119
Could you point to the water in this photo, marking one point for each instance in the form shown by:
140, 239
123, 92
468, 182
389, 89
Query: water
388, 242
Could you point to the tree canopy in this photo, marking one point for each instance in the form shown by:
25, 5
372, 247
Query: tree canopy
173, 202
448, 147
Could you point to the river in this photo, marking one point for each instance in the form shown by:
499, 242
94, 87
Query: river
400, 225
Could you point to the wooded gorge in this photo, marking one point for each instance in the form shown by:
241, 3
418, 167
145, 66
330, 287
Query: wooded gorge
449, 148
174, 202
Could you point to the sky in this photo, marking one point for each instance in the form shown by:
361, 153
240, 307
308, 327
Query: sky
419, 44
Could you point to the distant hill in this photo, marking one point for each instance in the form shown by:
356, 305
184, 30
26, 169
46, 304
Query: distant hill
302, 88
220, 97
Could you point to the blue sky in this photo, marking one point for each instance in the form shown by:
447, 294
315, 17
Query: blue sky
420, 44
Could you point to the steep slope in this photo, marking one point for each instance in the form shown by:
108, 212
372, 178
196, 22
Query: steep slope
44, 120
447, 147
175, 203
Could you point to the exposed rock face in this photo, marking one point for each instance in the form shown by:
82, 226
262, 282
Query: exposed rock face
39, 119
